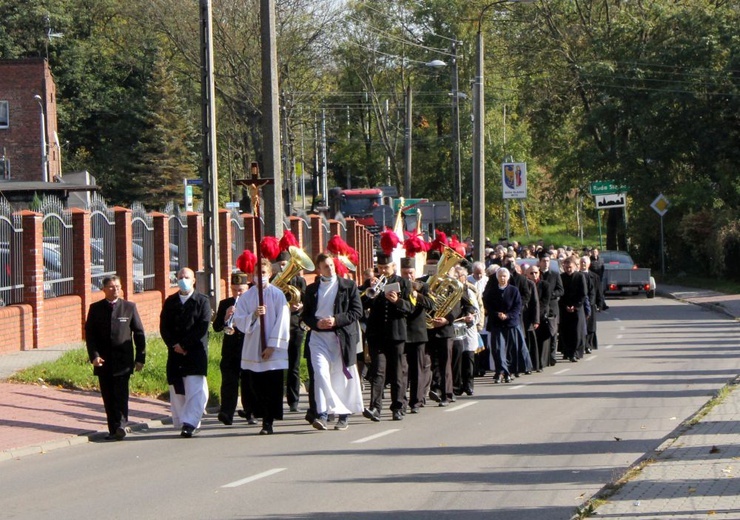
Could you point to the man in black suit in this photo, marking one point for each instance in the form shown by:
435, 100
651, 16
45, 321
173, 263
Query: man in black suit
596, 301
572, 312
231, 355
386, 337
183, 324
417, 357
113, 330
556, 291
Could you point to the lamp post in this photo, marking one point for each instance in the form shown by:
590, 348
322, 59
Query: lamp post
479, 110
44, 152
407, 134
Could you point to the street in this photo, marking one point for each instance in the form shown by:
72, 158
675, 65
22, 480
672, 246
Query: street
532, 449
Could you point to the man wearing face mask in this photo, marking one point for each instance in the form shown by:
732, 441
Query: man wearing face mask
183, 325
332, 308
265, 363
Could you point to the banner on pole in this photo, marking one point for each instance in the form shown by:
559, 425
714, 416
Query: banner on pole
514, 180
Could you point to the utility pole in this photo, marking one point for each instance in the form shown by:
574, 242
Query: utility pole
273, 196
287, 184
456, 138
212, 270
407, 144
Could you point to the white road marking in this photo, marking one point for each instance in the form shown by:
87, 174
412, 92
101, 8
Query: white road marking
461, 406
258, 476
563, 371
620, 336
517, 387
591, 357
373, 437
617, 319
608, 346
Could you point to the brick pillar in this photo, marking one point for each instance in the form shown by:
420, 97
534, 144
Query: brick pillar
296, 227
195, 241
335, 228
82, 261
161, 224
250, 232
224, 229
124, 250
352, 242
317, 235
33, 270
369, 247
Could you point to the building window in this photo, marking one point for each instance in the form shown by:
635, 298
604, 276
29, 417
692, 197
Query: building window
4, 116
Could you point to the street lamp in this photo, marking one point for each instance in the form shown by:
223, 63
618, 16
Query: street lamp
44, 154
479, 110
408, 137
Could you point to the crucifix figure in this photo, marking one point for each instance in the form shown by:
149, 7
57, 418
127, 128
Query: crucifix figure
254, 184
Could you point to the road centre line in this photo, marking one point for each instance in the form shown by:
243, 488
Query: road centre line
608, 346
373, 437
591, 357
258, 476
518, 386
563, 371
461, 406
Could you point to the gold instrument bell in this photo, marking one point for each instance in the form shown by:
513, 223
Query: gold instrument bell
298, 260
444, 291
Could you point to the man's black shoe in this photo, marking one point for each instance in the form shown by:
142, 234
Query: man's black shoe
187, 430
224, 418
242, 414
414, 409
372, 414
397, 415
120, 433
444, 402
434, 396
266, 429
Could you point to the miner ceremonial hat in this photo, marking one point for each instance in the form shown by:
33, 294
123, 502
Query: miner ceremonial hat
384, 259
284, 256
407, 262
239, 279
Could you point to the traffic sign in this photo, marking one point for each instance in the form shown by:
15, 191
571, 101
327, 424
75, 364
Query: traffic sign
194, 182
612, 200
232, 205
435, 212
606, 188
660, 205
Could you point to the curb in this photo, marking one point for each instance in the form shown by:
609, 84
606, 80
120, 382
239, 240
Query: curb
716, 307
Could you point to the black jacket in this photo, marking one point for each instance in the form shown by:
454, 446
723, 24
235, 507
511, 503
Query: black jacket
416, 325
347, 312
186, 325
387, 321
556, 290
231, 348
112, 334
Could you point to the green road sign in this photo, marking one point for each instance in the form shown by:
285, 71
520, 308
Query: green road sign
606, 188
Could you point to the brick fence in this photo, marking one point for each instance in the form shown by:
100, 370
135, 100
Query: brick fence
40, 322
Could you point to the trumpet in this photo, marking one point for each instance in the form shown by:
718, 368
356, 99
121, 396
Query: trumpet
375, 289
229, 325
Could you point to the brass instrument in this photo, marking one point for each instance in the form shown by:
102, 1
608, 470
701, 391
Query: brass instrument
374, 290
298, 260
444, 290
229, 325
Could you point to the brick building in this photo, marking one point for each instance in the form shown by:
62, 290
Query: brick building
28, 122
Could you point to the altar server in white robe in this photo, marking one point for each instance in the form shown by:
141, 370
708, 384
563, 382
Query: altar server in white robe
332, 308
265, 366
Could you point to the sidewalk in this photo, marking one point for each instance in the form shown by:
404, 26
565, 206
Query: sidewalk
691, 476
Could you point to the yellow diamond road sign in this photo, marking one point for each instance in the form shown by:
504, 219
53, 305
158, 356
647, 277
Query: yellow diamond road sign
660, 205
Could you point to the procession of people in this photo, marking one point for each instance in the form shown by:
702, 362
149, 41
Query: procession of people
423, 324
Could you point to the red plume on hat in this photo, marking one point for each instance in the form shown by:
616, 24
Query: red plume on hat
439, 242
388, 242
288, 240
270, 248
457, 245
413, 244
246, 261
353, 255
337, 245
339, 267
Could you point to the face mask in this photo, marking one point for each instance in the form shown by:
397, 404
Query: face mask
185, 284
265, 280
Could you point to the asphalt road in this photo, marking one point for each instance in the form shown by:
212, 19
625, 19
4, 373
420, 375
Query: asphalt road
533, 449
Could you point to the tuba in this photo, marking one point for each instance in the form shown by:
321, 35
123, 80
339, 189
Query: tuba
298, 260
444, 291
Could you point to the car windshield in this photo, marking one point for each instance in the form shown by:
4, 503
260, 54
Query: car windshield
616, 260
359, 205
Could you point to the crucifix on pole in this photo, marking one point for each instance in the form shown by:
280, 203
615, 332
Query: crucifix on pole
254, 184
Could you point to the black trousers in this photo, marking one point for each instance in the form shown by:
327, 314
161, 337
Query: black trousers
420, 373
388, 358
234, 379
441, 352
457, 355
467, 364
267, 389
293, 377
114, 390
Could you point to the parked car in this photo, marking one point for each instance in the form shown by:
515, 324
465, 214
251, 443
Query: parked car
554, 265
623, 277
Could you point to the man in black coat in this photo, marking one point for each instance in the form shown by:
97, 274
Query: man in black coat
112, 331
556, 291
544, 331
596, 300
333, 324
183, 324
417, 357
232, 377
572, 312
386, 336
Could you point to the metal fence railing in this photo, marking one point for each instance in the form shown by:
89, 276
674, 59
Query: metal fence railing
58, 248
142, 248
11, 256
178, 230
102, 241
237, 236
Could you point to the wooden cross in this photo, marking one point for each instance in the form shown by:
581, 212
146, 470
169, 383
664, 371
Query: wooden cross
254, 184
